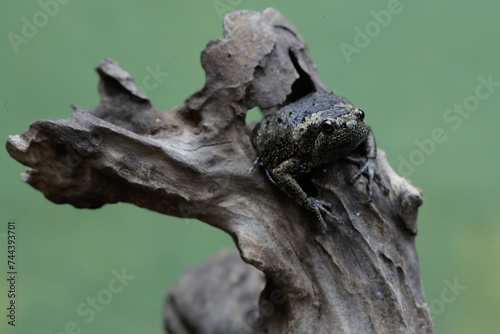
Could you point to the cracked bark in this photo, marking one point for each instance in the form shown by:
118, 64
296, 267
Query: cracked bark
193, 161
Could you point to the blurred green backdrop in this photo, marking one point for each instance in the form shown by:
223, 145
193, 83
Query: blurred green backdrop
407, 72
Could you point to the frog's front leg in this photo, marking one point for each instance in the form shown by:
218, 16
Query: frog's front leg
368, 166
283, 176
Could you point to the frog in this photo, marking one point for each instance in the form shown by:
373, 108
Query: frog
311, 132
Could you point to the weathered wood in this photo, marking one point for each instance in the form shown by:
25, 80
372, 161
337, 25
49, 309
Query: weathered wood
193, 161
221, 296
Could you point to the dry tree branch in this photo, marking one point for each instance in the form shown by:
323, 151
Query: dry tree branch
193, 161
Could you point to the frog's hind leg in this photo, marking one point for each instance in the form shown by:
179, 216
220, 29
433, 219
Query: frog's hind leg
259, 162
269, 176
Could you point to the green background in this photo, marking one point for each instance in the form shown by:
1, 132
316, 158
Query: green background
425, 60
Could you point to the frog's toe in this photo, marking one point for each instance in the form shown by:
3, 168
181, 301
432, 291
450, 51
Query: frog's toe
326, 211
319, 208
365, 167
324, 228
324, 204
368, 167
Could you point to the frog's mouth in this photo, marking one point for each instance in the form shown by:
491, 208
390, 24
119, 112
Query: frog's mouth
356, 130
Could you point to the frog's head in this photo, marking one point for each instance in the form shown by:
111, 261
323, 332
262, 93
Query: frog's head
339, 130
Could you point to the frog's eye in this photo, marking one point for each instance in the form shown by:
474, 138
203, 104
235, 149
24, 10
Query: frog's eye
327, 126
361, 114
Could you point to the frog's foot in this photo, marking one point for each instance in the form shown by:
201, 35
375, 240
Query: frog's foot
368, 167
319, 206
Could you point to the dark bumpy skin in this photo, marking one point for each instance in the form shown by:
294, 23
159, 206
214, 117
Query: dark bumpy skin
311, 132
